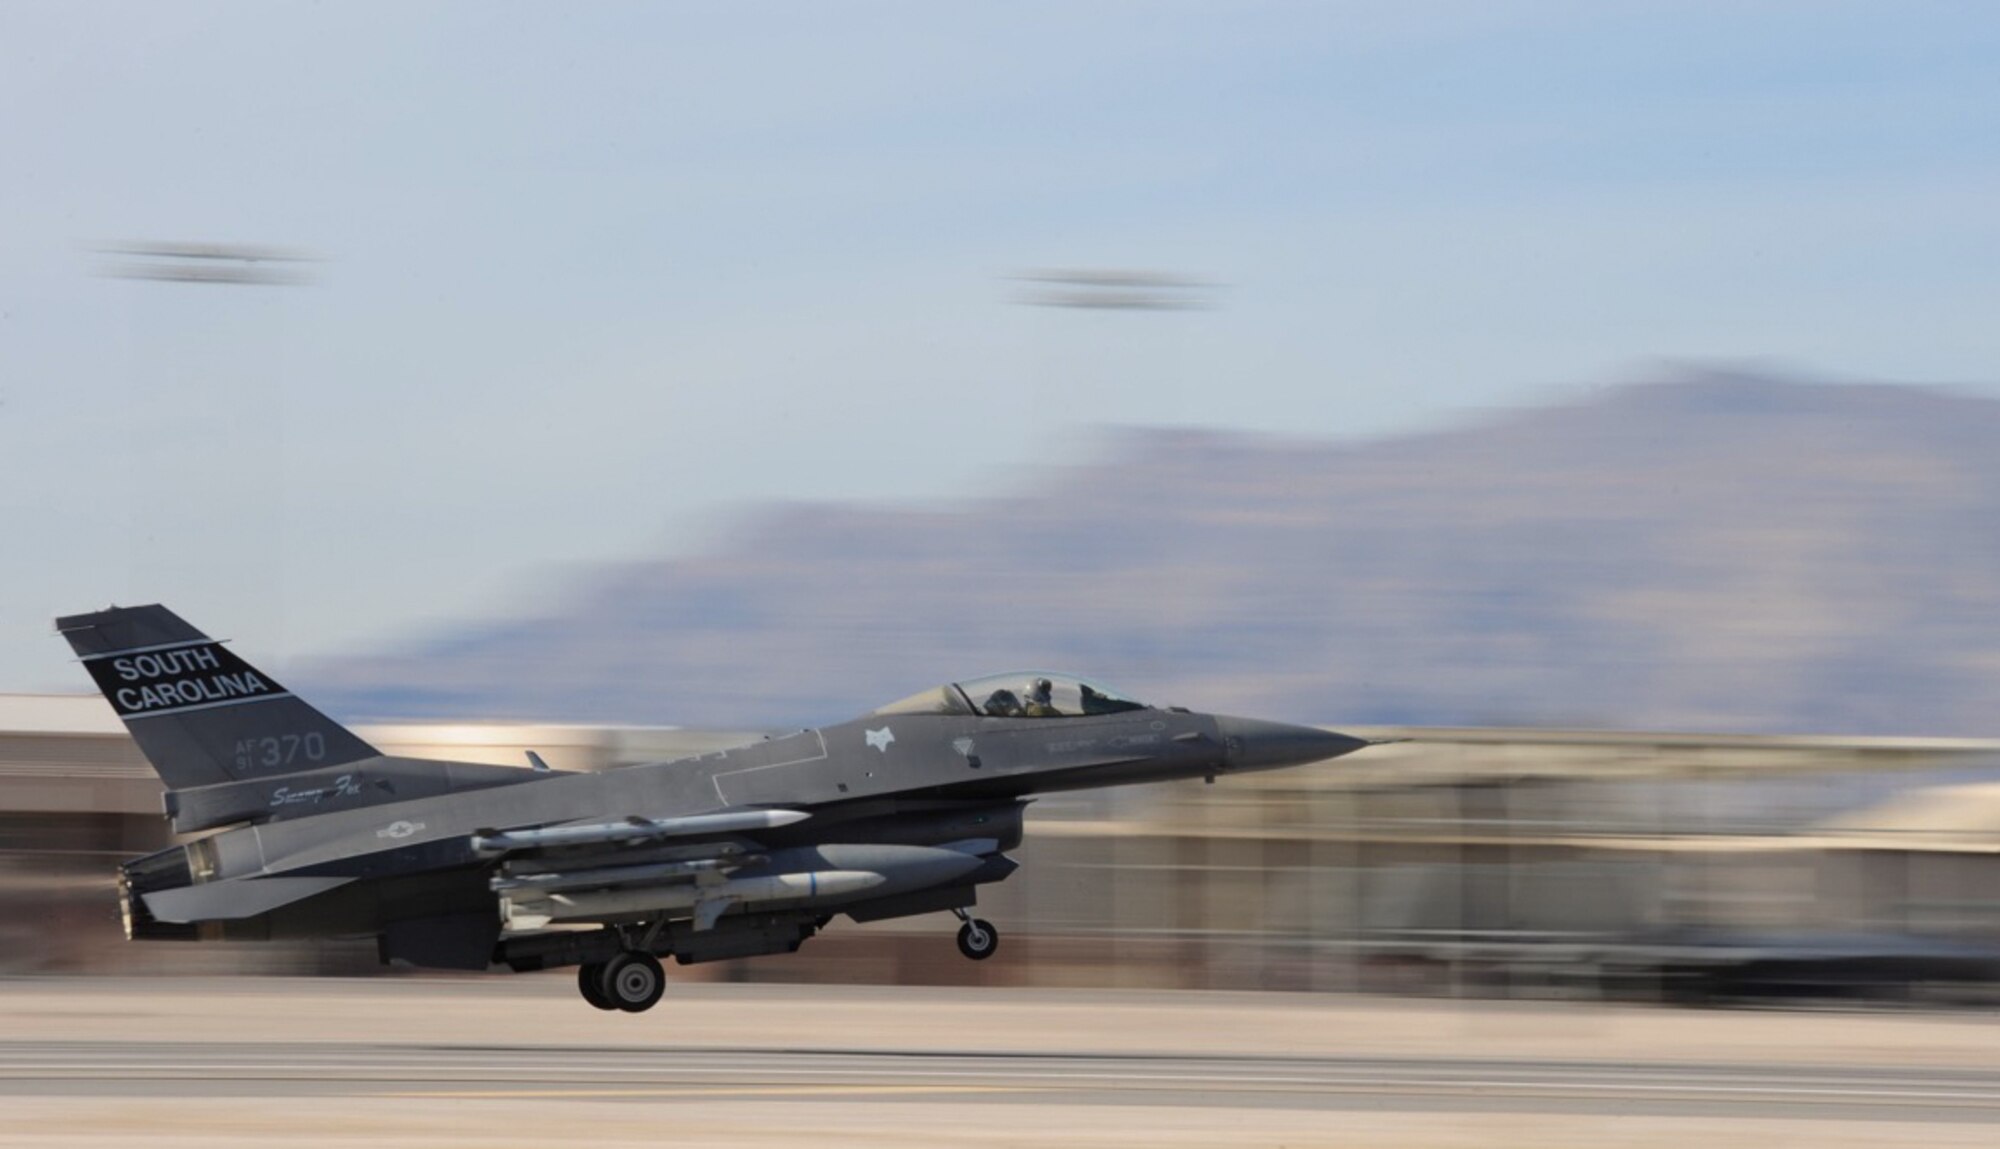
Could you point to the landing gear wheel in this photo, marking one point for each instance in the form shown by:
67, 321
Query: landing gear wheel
633, 981
590, 980
977, 939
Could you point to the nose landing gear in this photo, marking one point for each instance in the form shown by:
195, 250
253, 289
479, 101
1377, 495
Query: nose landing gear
977, 939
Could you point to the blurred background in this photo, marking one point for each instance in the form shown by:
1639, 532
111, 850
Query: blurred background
1602, 398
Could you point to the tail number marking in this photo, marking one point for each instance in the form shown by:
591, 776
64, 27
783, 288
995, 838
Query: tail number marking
279, 750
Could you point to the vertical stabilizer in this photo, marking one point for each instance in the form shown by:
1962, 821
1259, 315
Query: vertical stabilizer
200, 714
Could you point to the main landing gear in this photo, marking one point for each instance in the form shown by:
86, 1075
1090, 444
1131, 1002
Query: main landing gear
633, 981
977, 939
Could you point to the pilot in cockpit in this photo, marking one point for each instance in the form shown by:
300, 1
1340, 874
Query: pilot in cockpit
1003, 703
1040, 701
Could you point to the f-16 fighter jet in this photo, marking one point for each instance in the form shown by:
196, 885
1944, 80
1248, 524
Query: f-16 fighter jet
752, 850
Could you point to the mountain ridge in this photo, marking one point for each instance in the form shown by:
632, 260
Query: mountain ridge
1716, 550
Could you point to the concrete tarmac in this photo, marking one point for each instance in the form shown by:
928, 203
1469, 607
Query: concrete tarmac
521, 1061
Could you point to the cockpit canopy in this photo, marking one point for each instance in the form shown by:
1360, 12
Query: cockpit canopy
1022, 694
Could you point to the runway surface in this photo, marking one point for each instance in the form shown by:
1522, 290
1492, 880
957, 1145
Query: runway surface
493, 1063
555, 1072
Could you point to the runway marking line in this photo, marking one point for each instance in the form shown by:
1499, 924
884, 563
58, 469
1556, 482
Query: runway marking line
699, 1091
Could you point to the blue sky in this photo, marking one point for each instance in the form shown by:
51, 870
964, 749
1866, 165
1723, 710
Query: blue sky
599, 276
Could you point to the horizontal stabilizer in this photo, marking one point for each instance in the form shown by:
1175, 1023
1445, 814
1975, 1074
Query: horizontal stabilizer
633, 830
231, 900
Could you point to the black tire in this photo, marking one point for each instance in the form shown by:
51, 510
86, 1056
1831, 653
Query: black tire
978, 940
590, 981
634, 981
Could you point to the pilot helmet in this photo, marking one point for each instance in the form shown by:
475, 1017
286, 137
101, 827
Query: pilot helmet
1041, 689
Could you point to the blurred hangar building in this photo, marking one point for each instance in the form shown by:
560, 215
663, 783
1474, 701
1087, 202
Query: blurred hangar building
1478, 862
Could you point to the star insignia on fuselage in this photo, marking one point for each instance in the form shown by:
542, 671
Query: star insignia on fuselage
879, 739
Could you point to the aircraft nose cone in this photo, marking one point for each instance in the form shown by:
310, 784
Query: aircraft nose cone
1253, 744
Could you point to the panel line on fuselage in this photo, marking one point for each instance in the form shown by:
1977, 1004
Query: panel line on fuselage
716, 779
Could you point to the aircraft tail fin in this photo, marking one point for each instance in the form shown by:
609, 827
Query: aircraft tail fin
200, 714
